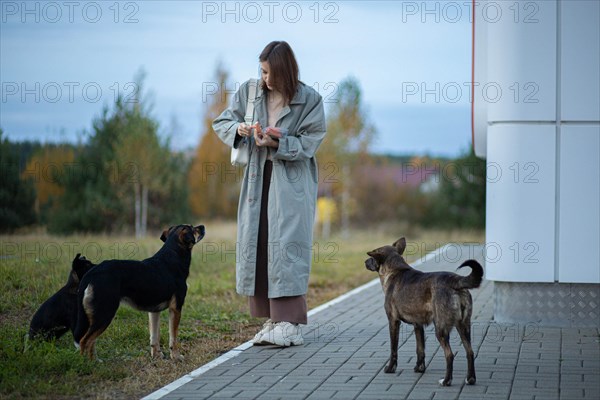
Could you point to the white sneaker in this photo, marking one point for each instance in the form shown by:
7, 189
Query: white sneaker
283, 334
267, 326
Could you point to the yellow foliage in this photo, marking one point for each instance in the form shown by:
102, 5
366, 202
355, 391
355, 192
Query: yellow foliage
326, 210
46, 168
214, 184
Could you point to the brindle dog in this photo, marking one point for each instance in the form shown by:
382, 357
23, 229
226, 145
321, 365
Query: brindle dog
420, 298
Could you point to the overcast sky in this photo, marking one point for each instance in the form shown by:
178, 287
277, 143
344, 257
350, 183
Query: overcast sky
61, 62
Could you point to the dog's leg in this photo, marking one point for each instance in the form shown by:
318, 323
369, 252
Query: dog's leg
85, 321
91, 348
174, 318
98, 317
464, 330
443, 336
420, 337
85, 315
88, 342
154, 328
394, 325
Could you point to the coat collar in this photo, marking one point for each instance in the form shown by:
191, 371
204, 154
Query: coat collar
299, 97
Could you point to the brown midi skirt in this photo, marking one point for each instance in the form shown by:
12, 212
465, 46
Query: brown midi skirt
289, 309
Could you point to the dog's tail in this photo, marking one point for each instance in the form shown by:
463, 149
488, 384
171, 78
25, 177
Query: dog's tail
473, 280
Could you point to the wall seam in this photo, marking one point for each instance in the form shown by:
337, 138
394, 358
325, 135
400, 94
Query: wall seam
557, 143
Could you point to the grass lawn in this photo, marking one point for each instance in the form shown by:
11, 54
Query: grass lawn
214, 317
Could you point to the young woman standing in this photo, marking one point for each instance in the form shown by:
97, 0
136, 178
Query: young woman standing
278, 195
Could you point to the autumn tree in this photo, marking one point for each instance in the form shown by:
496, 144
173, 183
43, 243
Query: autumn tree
125, 173
139, 155
48, 164
349, 134
213, 182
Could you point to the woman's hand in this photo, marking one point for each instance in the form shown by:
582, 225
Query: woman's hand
244, 130
262, 139
274, 132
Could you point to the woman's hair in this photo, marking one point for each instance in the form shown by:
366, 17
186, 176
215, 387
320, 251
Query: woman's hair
283, 68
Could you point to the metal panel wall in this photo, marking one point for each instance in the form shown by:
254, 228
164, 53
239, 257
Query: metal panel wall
522, 62
580, 60
579, 204
520, 210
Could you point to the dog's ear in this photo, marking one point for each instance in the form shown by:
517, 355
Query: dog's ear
80, 267
199, 231
184, 236
400, 245
165, 234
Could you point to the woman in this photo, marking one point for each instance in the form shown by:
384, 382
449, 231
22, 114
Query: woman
278, 195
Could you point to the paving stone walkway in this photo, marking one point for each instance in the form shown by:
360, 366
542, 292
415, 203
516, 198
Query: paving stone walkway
347, 345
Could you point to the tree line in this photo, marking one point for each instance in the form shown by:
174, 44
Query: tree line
126, 177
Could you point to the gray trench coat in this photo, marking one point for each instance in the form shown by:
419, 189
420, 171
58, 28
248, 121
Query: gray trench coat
292, 193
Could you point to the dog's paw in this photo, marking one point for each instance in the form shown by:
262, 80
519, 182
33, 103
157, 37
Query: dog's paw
390, 369
420, 368
470, 380
155, 352
444, 382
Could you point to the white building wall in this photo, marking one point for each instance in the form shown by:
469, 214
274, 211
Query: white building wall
543, 137
579, 142
520, 226
522, 64
579, 204
580, 60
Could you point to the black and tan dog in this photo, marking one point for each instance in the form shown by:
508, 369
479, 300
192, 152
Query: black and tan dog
419, 298
151, 285
58, 314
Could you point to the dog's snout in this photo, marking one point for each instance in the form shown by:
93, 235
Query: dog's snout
371, 264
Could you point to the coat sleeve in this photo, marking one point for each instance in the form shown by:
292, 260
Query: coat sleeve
310, 134
226, 124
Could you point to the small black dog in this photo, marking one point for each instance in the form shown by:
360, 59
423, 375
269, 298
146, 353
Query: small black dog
151, 285
419, 298
58, 314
